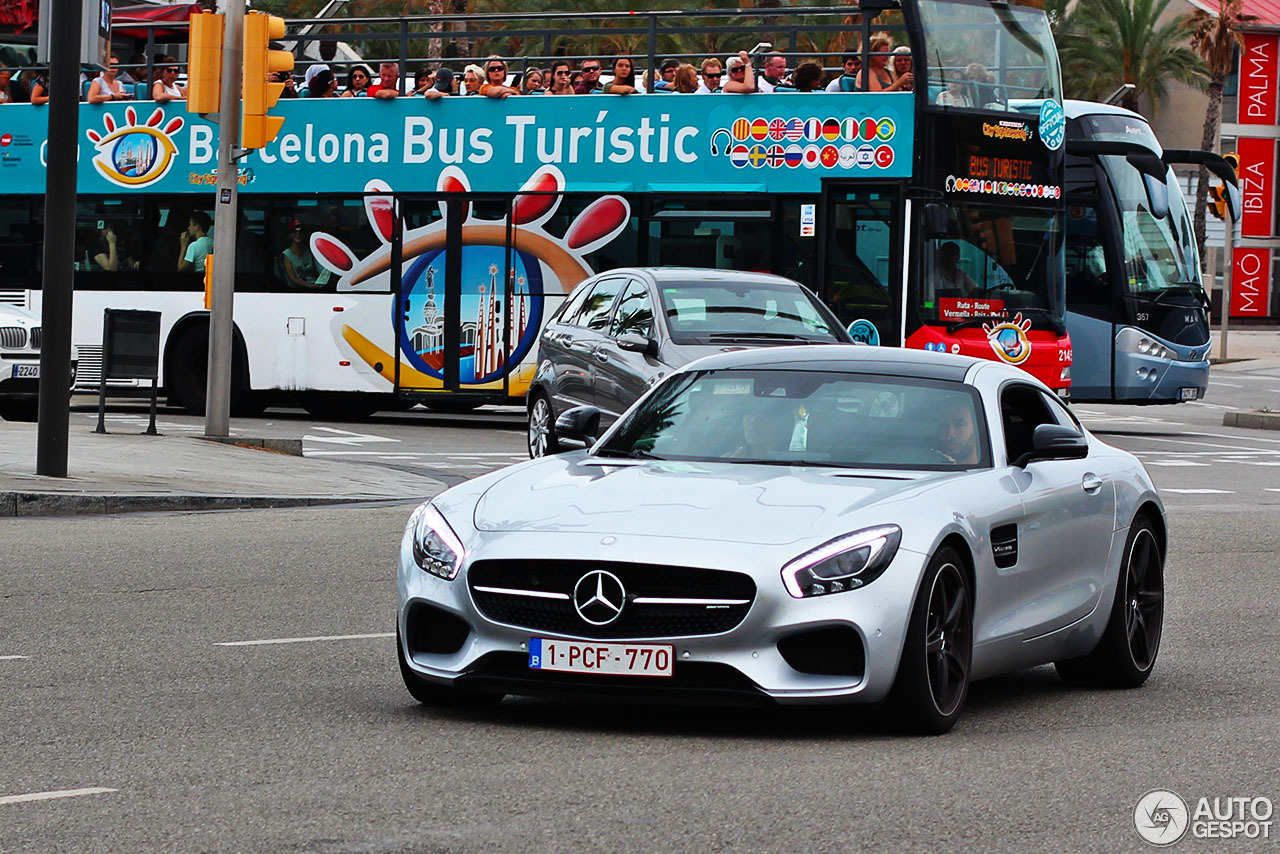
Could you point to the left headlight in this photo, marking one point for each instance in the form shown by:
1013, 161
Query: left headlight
436, 548
845, 563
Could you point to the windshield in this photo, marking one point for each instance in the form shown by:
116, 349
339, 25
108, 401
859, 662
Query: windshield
994, 261
987, 55
781, 417
714, 312
1159, 253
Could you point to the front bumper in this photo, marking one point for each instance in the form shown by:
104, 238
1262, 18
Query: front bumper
744, 664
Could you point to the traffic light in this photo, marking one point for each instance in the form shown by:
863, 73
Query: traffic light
257, 128
204, 63
1218, 200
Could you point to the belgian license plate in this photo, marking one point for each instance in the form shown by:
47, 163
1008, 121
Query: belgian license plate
1188, 393
610, 659
26, 371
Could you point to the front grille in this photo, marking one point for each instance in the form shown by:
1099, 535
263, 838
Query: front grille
13, 337
35, 338
89, 369
639, 619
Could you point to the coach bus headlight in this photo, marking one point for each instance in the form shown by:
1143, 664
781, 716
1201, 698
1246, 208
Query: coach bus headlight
436, 548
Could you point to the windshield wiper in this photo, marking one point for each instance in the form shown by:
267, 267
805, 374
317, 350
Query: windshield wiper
755, 336
633, 454
1045, 313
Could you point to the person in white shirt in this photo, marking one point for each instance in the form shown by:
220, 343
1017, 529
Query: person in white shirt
848, 81
712, 74
947, 276
775, 68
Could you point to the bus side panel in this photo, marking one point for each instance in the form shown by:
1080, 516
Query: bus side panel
1091, 357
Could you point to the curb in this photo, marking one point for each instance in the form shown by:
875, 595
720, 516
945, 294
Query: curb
292, 447
30, 504
1254, 420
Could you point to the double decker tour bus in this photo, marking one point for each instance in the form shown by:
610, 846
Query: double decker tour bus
1136, 309
408, 250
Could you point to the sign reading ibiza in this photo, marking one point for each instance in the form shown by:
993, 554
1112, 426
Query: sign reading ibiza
600, 143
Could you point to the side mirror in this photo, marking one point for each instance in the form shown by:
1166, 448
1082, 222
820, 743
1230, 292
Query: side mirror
637, 343
1055, 442
580, 424
936, 220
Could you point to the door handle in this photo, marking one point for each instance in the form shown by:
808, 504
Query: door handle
1091, 483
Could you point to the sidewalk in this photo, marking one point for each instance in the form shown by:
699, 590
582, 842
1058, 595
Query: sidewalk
124, 473
1247, 344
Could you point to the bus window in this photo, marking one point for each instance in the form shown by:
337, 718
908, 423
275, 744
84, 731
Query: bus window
273, 248
989, 56
859, 262
168, 219
727, 244
18, 238
111, 238
622, 251
994, 261
1087, 279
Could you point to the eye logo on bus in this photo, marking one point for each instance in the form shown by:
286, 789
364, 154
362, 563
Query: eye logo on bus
1009, 339
499, 316
133, 154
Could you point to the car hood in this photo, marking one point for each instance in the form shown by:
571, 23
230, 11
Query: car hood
744, 503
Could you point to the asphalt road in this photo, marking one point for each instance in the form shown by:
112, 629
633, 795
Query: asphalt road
115, 678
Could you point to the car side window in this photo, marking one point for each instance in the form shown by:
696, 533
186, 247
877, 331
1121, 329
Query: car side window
574, 304
595, 311
1060, 413
1022, 409
634, 312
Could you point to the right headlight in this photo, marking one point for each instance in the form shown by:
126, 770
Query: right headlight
436, 548
845, 563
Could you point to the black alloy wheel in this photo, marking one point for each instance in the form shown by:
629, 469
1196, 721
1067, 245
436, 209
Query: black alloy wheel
542, 427
1127, 650
929, 693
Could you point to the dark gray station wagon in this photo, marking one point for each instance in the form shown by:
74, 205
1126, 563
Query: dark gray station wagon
621, 331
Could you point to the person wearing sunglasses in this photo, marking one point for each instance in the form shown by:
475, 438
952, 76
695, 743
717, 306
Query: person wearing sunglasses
358, 82
561, 75
712, 74
742, 79
495, 81
590, 81
166, 88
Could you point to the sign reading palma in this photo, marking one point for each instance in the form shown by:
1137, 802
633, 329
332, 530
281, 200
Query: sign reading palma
599, 143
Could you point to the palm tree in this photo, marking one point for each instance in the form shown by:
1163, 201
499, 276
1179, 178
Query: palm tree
1215, 38
1107, 43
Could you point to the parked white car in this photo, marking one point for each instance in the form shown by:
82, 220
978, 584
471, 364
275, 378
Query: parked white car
20, 364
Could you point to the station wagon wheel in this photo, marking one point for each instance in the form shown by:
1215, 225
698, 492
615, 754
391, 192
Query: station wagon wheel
932, 684
542, 427
1127, 650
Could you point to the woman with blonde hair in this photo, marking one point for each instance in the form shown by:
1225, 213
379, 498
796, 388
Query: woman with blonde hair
686, 79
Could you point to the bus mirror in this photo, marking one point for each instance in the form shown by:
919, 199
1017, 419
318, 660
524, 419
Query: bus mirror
1157, 196
936, 220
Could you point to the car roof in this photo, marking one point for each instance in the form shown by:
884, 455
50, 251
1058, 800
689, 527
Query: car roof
1075, 109
885, 361
698, 275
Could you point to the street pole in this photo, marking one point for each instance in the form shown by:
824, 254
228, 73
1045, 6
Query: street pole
1228, 268
217, 410
59, 240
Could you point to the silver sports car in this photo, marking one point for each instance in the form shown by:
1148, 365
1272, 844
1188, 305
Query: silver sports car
794, 525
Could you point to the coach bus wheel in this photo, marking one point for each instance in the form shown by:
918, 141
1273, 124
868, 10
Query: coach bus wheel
187, 375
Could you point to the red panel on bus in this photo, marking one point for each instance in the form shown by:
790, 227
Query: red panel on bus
1039, 352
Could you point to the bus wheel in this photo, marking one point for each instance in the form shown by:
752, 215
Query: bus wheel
187, 376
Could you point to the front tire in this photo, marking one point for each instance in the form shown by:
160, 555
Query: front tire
1127, 650
431, 694
932, 685
542, 428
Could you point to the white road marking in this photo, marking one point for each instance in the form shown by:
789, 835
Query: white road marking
1228, 385
1174, 463
1199, 491
11, 657
305, 640
53, 796
1271, 489
1212, 405
346, 437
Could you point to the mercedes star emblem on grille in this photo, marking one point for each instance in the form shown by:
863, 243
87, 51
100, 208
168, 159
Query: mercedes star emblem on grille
598, 597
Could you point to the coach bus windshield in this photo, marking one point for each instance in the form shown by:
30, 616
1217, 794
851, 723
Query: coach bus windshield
994, 262
986, 55
1159, 252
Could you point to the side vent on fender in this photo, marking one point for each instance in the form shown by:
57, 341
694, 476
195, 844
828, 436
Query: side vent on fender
1004, 545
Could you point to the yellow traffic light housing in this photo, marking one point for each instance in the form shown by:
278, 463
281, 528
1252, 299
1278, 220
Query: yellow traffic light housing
1218, 200
208, 282
257, 128
204, 63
